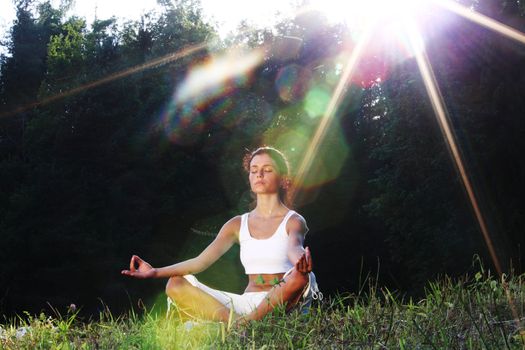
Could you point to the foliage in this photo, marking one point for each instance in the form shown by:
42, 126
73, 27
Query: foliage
84, 170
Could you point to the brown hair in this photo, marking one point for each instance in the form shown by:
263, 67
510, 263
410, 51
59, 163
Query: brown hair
283, 168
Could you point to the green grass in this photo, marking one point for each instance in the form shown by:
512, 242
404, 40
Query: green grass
471, 313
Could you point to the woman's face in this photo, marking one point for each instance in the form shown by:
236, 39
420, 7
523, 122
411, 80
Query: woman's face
264, 177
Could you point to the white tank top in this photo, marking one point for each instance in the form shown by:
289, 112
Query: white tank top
265, 255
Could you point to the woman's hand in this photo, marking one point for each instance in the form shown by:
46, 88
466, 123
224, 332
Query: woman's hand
138, 268
304, 264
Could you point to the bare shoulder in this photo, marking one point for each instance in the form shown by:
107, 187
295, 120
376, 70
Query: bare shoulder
297, 224
232, 226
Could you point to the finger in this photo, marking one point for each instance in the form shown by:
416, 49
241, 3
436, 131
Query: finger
298, 264
132, 263
301, 264
132, 274
304, 263
310, 264
137, 262
303, 267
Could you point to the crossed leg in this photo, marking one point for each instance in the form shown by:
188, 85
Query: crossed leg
286, 293
194, 302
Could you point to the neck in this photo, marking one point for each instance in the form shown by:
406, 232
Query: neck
268, 206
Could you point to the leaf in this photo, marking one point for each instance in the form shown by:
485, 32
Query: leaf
478, 276
275, 281
259, 280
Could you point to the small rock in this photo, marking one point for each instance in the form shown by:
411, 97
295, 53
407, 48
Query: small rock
188, 325
22, 331
72, 308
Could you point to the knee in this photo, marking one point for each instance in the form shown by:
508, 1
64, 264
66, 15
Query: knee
175, 285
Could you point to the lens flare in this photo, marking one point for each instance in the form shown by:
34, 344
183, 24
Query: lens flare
221, 112
291, 82
329, 160
326, 120
205, 95
316, 101
182, 124
210, 78
290, 141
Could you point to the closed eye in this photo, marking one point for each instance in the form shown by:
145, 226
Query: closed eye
267, 169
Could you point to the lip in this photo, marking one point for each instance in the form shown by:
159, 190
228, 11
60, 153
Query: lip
259, 183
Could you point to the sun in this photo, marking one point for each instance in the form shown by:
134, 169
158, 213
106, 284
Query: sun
393, 23
359, 11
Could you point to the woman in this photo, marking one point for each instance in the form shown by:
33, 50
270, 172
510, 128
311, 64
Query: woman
271, 247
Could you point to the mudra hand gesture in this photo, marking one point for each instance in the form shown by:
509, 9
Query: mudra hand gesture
304, 265
139, 268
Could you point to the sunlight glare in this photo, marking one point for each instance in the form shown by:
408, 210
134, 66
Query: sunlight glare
386, 17
355, 12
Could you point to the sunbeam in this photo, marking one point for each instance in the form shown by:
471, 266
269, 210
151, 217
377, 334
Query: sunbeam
483, 20
124, 73
440, 111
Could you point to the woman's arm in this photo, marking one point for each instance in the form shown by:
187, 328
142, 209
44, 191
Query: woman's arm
227, 236
296, 227
221, 244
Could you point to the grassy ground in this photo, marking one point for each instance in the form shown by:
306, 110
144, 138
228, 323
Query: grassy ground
473, 313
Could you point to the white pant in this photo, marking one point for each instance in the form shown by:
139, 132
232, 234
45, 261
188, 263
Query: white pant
242, 304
